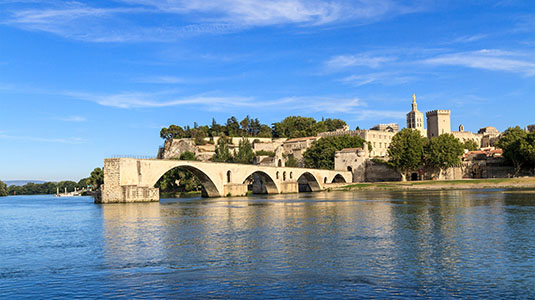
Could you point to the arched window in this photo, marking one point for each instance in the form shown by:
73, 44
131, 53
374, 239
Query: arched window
291, 174
279, 163
277, 175
325, 180
228, 176
349, 169
284, 176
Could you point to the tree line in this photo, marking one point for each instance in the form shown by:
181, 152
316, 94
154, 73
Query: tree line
290, 127
94, 181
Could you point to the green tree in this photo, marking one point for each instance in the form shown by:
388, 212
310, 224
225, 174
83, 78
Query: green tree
188, 155
173, 132
292, 162
470, 145
3, 189
96, 179
406, 151
527, 150
222, 152
320, 155
510, 142
294, 126
442, 152
245, 154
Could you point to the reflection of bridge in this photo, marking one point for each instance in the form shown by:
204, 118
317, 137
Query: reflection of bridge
131, 180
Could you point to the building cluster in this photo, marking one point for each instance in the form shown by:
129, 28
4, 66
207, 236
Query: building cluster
277, 151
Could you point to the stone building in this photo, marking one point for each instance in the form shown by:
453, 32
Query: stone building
415, 119
379, 140
464, 136
297, 147
391, 127
490, 136
438, 122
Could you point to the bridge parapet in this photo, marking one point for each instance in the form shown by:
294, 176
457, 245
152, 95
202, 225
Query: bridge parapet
133, 180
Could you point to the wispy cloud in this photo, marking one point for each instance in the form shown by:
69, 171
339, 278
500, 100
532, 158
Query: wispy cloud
469, 38
130, 100
120, 21
378, 115
387, 78
161, 80
494, 60
366, 60
72, 119
43, 139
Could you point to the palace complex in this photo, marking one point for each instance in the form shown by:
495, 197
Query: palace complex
276, 151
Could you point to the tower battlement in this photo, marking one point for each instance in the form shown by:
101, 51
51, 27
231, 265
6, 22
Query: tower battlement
438, 112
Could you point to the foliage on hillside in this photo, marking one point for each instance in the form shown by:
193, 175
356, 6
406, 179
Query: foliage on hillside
321, 154
290, 127
295, 126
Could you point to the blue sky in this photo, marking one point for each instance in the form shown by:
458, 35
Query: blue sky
82, 81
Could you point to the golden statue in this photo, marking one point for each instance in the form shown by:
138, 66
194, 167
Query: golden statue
413, 97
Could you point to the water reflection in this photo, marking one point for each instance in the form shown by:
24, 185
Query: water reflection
443, 243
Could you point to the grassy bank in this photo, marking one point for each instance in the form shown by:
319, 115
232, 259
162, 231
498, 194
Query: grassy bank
525, 182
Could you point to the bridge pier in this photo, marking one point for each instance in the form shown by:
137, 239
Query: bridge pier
289, 187
235, 189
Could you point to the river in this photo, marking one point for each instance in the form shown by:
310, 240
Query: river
466, 244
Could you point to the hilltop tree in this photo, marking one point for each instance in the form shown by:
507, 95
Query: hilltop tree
321, 154
222, 152
296, 126
172, 132
406, 151
442, 152
245, 154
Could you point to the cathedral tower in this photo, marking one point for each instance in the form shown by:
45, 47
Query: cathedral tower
415, 119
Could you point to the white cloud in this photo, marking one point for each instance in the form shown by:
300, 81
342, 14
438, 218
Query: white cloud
386, 78
43, 139
345, 61
175, 19
494, 60
72, 119
379, 115
161, 80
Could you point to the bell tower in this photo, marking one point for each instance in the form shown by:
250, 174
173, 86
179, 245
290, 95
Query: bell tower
415, 119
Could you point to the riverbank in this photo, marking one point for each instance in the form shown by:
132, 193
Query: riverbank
525, 182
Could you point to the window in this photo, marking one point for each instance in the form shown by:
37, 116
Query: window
228, 176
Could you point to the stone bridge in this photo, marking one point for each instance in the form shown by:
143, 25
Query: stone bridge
133, 180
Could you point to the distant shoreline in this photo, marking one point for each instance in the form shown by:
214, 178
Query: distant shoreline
524, 182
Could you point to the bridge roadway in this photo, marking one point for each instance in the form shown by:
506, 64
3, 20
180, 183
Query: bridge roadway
133, 180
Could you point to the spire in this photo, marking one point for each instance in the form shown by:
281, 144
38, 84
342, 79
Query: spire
414, 105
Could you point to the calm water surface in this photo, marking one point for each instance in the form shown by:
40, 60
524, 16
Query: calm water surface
453, 244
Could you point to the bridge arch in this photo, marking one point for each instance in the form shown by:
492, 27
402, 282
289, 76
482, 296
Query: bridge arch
338, 178
308, 182
267, 184
209, 187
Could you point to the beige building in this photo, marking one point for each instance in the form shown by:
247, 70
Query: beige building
415, 119
298, 146
391, 127
464, 136
379, 140
438, 122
